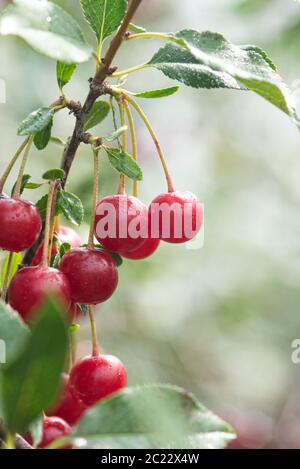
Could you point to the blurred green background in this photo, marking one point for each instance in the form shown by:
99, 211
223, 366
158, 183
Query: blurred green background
219, 320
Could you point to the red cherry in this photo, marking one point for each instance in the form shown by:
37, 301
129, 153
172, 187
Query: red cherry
20, 223
68, 407
175, 217
148, 247
30, 285
119, 222
53, 429
96, 377
64, 235
92, 274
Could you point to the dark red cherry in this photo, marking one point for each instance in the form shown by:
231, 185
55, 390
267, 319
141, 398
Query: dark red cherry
30, 285
20, 224
120, 220
148, 248
54, 428
68, 407
95, 377
92, 274
175, 217
64, 235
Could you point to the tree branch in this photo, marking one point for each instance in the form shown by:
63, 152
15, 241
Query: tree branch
97, 88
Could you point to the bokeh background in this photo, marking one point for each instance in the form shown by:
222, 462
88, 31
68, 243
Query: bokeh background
219, 320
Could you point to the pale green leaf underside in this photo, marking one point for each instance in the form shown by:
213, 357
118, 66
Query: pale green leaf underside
104, 13
156, 416
36, 121
71, 206
47, 28
210, 61
13, 331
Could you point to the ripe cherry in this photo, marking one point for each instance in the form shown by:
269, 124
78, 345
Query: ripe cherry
120, 220
68, 407
175, 217
64, 235
92, 274
148, 248
96, 377
20, 223
53, 429
30, 285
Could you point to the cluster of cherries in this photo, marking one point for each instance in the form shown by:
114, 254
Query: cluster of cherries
85, 276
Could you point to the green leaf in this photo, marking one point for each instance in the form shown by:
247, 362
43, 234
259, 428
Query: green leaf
53, 174
36, 121
124, 163
64, 73
117, 258
13, 332
36, 430
42, 138
34, 185
63, 249
97, 114
58, 141
210, 61
30, 383
104, 16
16, 261
24, 182
47, 28
116, 134
155, 416
161, 93
71, 206
42, 206
135, 29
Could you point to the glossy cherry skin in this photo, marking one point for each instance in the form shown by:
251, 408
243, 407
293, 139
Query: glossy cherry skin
64, 235
148, 248
122, 216
20, 224
175, 217
68, 407
95, 377
53, 429
30, 286
92, 274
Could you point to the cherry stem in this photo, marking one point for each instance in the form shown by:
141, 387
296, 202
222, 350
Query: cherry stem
7, 276
51, 197
95, 198
154, 35
155, 140
11, 164
95, 344
127, 71
133, 143
17, 189
122, 184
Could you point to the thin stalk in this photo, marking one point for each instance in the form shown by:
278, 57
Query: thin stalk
127, 71
133, 143
17, 190
153, 35
122, 183
45, 256
155, 140
95, 199
95, 344
7, 275
12, 163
